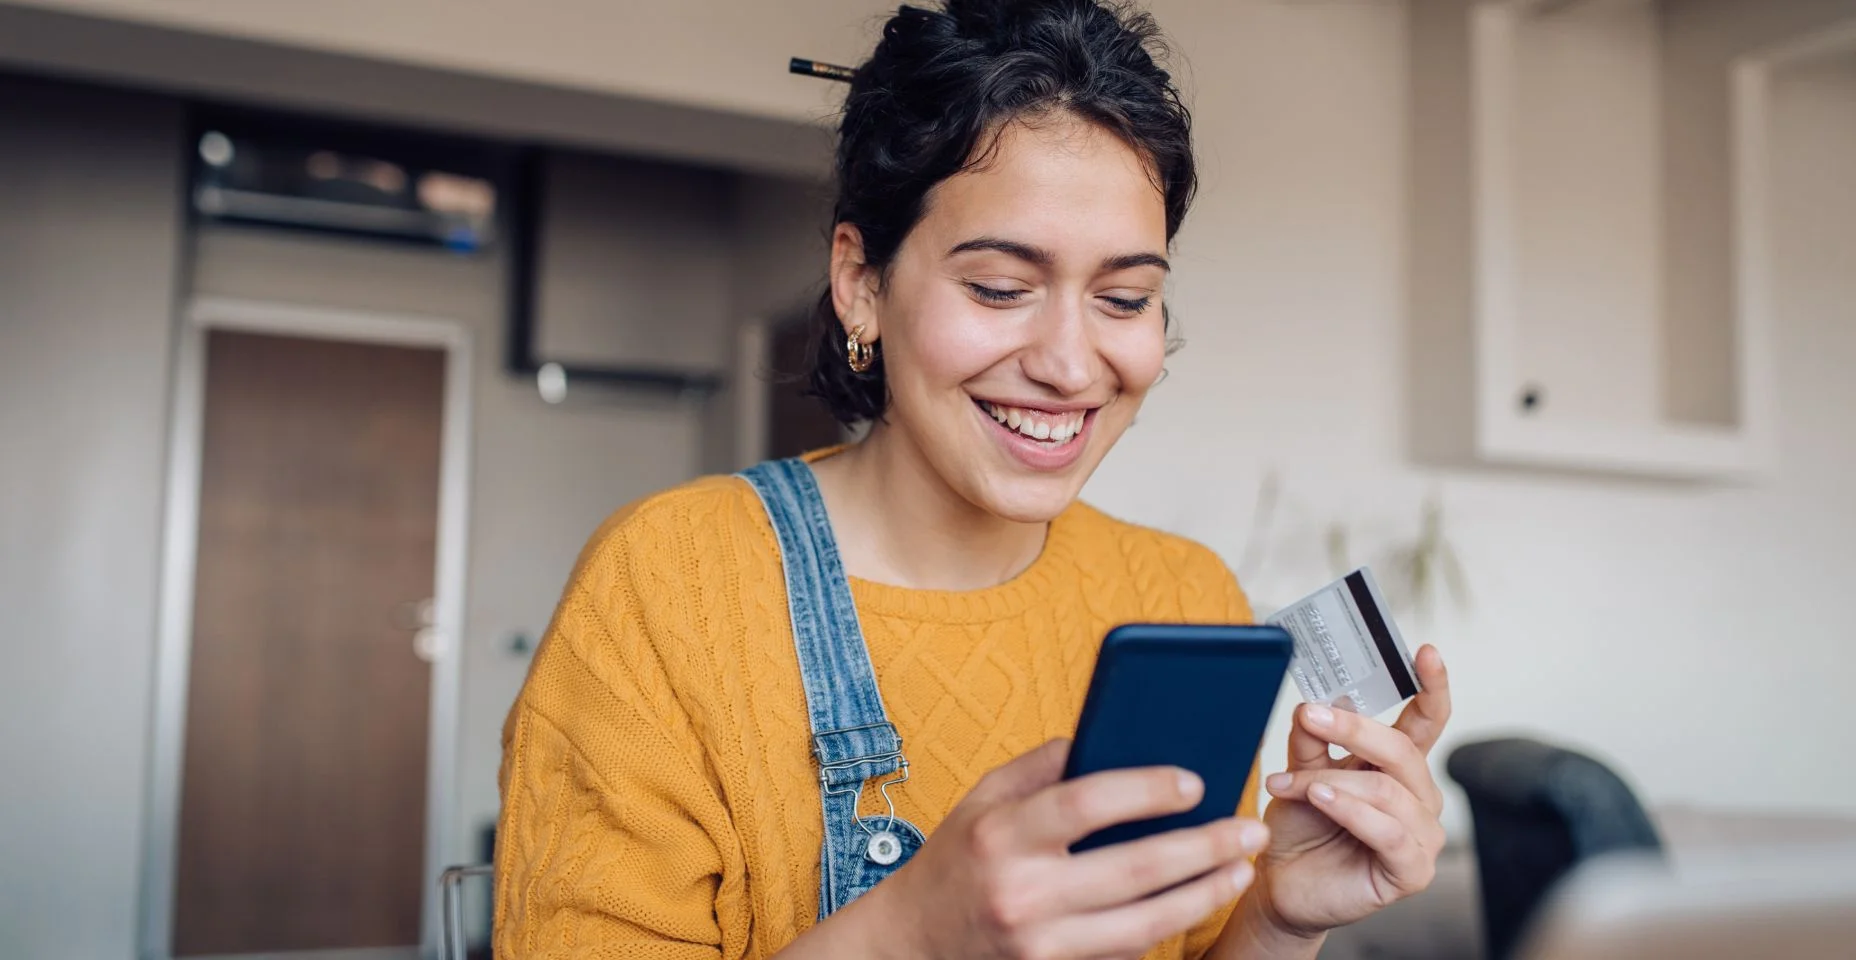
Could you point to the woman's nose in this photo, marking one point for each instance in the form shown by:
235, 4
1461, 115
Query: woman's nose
1063, 354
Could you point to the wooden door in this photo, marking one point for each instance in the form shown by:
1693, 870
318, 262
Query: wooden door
303, 794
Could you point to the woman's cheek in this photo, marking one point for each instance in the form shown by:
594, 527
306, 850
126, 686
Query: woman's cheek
959, 341
1137, 353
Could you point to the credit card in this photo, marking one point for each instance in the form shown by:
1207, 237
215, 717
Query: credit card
1348, 652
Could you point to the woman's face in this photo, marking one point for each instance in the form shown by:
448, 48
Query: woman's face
1020, 320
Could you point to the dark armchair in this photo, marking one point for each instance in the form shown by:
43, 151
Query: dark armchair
1539, 810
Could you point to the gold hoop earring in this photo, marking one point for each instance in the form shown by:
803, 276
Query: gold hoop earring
860, 354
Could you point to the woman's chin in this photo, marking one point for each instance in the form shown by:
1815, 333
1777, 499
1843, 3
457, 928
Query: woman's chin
1035, 499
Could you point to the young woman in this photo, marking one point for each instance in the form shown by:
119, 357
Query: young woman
761, 693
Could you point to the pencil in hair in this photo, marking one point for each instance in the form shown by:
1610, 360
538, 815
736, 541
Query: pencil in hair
826, 71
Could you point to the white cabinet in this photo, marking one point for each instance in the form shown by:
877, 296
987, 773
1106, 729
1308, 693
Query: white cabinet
1589, 235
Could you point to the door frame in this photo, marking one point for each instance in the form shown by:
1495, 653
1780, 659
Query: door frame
180, 536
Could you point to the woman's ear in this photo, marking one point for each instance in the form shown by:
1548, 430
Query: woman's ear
854, 283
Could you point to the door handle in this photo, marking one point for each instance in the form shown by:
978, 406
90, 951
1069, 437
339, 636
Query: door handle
419, 617
426, 644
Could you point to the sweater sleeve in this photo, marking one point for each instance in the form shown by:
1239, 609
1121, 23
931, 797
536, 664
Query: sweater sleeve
612, 839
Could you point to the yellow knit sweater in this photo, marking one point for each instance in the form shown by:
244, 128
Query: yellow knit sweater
659, 796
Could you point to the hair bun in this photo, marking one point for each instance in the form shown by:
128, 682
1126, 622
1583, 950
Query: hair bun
990, 16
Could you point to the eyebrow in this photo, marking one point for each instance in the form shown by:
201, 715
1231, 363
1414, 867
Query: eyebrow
1044, 258
1129, 260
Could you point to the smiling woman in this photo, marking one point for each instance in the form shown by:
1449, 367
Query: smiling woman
1010, 175
1020, 326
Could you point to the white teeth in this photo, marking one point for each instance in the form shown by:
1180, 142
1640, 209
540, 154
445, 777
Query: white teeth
1056, 429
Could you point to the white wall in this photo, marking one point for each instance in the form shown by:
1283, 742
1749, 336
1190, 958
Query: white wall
1675, 628
1699, 38
88, 259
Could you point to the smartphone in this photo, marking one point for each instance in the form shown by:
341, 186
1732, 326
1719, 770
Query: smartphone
1197, 697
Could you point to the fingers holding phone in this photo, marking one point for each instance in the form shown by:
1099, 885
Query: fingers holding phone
998, 878
1108, 876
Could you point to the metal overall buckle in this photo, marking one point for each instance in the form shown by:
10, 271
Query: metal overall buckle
883, 847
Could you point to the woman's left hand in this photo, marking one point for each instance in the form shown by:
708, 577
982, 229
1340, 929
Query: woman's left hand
1351, 836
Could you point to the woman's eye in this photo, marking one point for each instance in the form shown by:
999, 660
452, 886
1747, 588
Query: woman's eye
994, 294
1126, 306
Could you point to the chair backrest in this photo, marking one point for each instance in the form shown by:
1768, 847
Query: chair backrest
453, 945
1540, 810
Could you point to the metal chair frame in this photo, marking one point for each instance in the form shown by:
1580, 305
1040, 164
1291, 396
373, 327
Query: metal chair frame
451, 902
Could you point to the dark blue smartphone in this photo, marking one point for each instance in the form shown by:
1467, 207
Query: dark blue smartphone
1197, 697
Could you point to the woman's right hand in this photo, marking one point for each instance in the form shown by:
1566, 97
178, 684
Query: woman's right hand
997, 879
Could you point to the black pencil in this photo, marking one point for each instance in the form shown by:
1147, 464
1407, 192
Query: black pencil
827, 71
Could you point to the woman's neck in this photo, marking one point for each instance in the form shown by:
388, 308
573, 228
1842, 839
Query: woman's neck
897, 522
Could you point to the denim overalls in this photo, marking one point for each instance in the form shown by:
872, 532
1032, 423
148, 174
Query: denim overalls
852, 738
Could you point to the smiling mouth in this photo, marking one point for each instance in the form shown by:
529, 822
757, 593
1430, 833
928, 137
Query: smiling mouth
1043, 426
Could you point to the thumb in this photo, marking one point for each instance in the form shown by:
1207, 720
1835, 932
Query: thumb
1024, 775
1307, 751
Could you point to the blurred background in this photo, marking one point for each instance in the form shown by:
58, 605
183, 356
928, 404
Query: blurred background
329, 331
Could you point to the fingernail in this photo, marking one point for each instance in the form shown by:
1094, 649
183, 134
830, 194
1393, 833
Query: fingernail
1321, 792
1319, 715
1280, 782
1241, 874
1253, 836
1189, 784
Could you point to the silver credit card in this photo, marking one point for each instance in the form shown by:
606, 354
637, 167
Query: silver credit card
1348, 652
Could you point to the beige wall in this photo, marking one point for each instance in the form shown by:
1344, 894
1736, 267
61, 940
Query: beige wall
709, 53
53, 40
89, 235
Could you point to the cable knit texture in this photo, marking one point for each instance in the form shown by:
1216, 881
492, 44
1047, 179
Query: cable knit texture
659, 796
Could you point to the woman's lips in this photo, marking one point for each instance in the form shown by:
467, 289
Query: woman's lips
1042, 440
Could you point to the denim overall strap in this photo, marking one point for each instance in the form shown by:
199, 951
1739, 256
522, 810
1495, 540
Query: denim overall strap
852, 738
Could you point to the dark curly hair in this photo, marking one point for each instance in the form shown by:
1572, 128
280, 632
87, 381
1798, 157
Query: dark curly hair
939, 82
